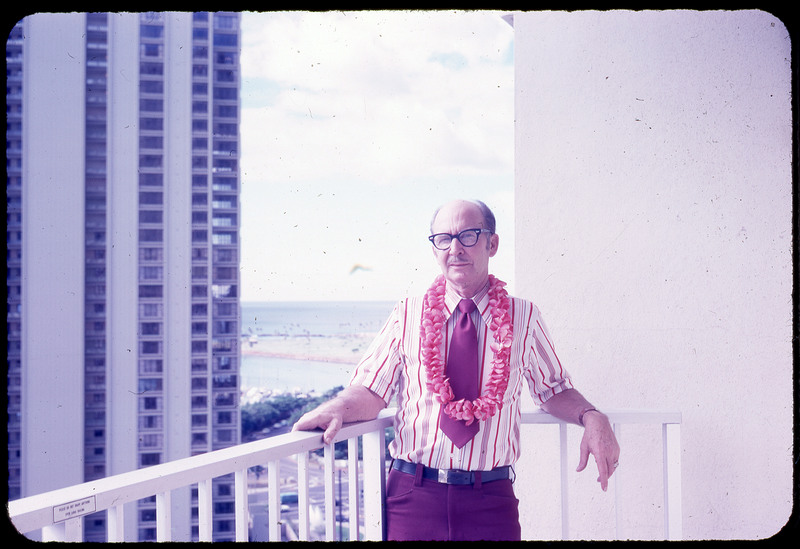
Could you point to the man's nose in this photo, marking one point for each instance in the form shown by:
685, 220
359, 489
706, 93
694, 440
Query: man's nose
456, 247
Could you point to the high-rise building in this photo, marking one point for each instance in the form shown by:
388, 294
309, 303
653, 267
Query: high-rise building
122, 148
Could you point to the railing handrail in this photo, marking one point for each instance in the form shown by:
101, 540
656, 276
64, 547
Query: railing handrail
36, 512
626, 416
33, 512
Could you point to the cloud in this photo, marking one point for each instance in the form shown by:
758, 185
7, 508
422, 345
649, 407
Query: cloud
378, 96
355, 126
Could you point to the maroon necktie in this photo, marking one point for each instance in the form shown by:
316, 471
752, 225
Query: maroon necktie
462, 369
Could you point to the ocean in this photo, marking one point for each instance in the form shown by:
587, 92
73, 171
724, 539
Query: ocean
315, 318
318, 319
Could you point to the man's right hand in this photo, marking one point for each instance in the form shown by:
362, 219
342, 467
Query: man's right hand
328, 420
355, 403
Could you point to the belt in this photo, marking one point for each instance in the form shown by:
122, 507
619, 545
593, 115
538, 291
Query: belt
452, 476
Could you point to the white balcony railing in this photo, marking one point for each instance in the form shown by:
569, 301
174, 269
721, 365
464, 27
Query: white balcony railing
58, 514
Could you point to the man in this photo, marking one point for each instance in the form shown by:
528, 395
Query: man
454, 443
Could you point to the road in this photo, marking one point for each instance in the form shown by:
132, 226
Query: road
258, 491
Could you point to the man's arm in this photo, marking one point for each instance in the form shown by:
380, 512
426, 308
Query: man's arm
598, 436
354, 403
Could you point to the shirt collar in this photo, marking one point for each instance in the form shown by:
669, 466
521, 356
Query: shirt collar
481, 299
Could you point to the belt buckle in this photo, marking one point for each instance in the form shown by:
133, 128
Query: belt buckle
442, 476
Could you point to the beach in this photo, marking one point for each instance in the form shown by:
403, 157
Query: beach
298, 364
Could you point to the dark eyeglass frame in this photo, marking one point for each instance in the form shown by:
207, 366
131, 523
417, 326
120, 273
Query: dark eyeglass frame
458, 236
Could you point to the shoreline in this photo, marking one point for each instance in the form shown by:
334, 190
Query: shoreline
299, 357
339, 349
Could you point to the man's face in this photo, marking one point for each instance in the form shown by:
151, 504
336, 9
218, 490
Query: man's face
465, 268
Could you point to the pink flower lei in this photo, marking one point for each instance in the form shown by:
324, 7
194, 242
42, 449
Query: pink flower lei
432, 328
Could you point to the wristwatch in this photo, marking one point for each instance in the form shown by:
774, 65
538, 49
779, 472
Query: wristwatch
584, 412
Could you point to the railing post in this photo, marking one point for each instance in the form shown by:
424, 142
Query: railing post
353, 495
116, 523
204, 510
673, 519
274, 500
564, 482
74, 529
373, 445
70, 530
54, 532
617, 487
303, 516
330, 498
163, 516
240, 504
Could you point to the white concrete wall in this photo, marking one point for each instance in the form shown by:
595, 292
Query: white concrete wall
653, 229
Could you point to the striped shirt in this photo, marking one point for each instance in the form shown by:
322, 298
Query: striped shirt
392, 368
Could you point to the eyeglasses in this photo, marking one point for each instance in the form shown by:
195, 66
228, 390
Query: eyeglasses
467, 237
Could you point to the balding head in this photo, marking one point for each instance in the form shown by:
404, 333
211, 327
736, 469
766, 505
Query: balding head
489, 221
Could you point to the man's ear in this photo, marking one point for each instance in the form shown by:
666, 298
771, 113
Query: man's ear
494, 242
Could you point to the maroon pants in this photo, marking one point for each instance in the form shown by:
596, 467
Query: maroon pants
421, 509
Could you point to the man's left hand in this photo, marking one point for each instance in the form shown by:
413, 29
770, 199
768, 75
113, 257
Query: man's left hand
599, 440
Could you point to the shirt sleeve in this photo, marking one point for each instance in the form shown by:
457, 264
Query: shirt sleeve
546, 375
379, 368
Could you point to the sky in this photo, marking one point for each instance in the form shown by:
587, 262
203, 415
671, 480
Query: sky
355, 127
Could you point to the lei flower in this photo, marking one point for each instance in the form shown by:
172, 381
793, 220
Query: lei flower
432, 328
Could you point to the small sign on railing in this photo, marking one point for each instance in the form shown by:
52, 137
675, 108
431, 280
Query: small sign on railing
74, 509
